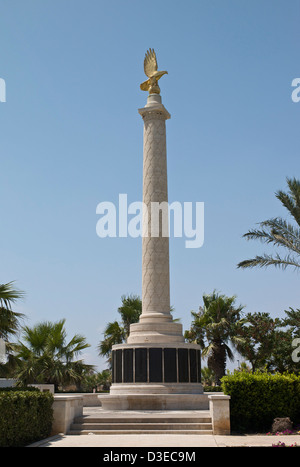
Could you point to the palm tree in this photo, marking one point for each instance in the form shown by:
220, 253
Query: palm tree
9, 320
213, 328
97, 381
243, 367
9, 325
207, 376
130, 311
45, 356
280, 233
117, 333
113, 334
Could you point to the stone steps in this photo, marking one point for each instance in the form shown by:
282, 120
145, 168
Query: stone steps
140, 432
143, 424
146, 420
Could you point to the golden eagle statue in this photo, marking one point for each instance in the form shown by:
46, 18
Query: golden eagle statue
151, 70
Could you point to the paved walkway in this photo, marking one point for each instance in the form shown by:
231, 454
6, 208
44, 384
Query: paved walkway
178, 441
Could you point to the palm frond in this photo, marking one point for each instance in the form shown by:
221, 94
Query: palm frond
283, 234
9, 294
268, 260
279, 233
291, 200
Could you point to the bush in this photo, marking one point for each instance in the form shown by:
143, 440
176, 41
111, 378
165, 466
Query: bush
26, 416
18, 388
212, 389
257, 398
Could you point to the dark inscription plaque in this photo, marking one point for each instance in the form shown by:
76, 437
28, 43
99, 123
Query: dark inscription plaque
118, 366
193, 366
199, 366
141, 365
113, 365
183, 365
155, 365
128, 365
170, 366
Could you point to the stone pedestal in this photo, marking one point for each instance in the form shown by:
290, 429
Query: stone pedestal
66, 407
155, 360
219, 406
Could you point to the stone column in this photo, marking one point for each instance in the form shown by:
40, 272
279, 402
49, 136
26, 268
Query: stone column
156, 323
155, 258
155, 361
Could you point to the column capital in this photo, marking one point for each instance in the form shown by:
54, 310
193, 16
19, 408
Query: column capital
154, 108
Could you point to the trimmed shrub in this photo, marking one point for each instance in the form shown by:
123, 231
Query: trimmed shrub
258, 398
212, 389
26, 417
19, 388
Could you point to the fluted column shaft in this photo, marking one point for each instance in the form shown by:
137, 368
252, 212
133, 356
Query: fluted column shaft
155, 253
156, 322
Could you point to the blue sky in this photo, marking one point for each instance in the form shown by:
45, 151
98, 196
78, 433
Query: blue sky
71, 137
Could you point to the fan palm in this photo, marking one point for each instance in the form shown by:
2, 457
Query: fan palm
213, 328
9, 325
280, 233
117, 333
130, 311
45, 356
207, 376
113, 334
9, 320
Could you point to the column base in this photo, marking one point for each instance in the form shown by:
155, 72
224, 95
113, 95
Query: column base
155, 402
156, 389
155, 328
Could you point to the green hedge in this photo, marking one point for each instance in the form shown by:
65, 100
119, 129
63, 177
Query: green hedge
25, 417
257, 398
212, 389
19, 388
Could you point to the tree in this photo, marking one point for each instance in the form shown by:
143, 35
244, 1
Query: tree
280, 233
97, 381
207, 376
280, 359
244, 367
45, 356
267, 343
130, 311
213, 327
258, 338
287, 341
9, 320
117, 332
9, 325
293, 321
113, 334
